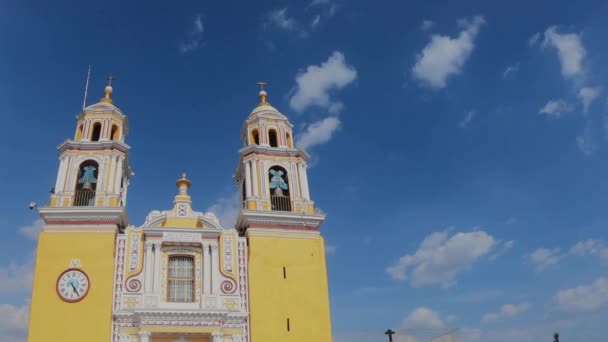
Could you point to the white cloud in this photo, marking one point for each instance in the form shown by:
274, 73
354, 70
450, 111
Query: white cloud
444, 56
318, 132
585, 140
226, 208
280, 19
505, 247
506, 311
17, 277
14, 322
313, 86
543, 258
510, 70
315, 21
426, 25
555, 108
468, 117
440, 258
570, 51
422, 318
584, 298
534, 39
587, 95
195, 37
330, 249
590, 247
32, 230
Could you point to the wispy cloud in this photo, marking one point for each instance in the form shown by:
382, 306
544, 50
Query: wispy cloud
445, 56
319, 132
583, 298
468, 117
226, 208
556, 108
426, 25
587, 95
14, 322
33, 230
544, 258
279, 18
506, 311
195, 37
441, 258
510, 70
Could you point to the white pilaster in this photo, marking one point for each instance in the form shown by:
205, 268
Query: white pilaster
217, 337
156, 266
247, 179
206, 269
124, 338
144, 336
148, 268
304, 180
61, 175
254, 179
265, 181
118, 175
112, 182
215, 269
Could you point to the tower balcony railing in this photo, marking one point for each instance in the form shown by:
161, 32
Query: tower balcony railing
84, 198
280, 203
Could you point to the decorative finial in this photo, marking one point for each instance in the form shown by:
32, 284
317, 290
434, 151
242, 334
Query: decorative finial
183, 184
263, 93
108, 90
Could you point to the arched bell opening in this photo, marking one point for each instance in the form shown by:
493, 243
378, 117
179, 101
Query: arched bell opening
289, 142
272, 138
279, 189
114, 133
255, 137
86, 185
96, 131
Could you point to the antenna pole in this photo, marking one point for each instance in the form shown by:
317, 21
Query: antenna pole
86, 89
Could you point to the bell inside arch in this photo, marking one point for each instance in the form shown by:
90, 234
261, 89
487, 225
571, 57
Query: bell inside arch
278, 191
87, 186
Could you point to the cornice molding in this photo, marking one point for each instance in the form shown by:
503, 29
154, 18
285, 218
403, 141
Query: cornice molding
286, 220
81, 216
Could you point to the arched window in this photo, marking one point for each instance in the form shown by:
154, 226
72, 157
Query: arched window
289, 142
114, 133
180, 279
255, 137
272, 138
86, 184
96, 131
279, 189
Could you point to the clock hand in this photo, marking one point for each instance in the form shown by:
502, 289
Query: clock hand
74, 287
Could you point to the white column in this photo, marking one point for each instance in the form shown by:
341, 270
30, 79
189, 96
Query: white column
217, 337
112, 182
265, 182
156, 266
144, 336
124, 338
61, 175
118, 176
215, 269
247, 180
206, 269
148, 268
254, 179
304, 180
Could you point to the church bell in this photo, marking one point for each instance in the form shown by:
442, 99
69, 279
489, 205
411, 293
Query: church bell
87, 186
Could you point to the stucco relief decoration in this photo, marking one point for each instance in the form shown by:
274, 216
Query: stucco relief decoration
133, 285
228, 257
228, 286
135, 252
182, 209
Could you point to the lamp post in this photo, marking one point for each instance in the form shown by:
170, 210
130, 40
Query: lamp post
390, 334
556, 337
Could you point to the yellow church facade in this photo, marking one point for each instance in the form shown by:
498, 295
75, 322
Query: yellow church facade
181, 276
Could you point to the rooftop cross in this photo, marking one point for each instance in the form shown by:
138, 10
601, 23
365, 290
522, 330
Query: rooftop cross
110, 78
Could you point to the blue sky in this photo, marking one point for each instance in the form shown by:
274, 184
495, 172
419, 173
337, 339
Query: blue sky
458, 148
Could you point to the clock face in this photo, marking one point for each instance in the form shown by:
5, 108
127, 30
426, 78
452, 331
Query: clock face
73, 285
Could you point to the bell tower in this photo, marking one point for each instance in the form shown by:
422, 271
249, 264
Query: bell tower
288, 289
74, 276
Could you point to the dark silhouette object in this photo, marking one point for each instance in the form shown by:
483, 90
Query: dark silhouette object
390, 334
556, 337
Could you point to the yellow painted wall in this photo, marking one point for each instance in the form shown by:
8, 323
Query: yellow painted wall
52, 319
302, 296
